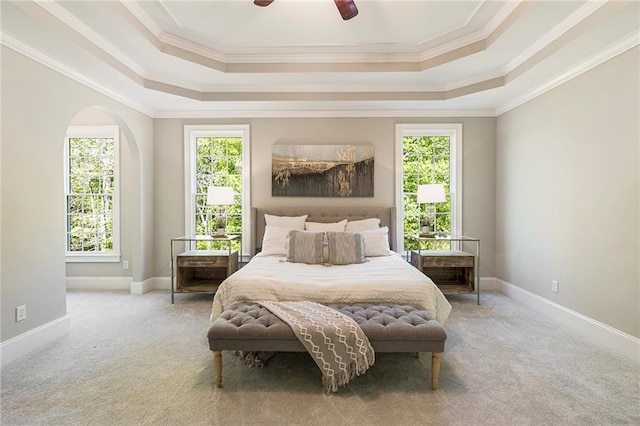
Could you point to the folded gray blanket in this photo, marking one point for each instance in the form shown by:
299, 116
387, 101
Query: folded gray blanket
335, 341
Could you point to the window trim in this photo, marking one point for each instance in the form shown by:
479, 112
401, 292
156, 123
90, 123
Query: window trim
191, 132
454, 132
106, 131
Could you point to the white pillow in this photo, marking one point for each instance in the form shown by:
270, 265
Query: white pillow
376, 242
363, 225
289, 222
274, 241
323, 227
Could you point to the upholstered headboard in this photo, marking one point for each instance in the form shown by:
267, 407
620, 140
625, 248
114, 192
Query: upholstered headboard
387, 216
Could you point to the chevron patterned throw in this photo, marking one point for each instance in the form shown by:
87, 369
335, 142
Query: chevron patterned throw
336, 342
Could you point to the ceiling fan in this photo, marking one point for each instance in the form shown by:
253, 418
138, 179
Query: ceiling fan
347, 8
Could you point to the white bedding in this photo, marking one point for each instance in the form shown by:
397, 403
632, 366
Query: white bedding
384, 279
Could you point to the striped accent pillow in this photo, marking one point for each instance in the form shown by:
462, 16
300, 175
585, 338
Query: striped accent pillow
305, 247
345, 248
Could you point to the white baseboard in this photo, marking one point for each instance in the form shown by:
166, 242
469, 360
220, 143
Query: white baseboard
142, 287
118, 283
98, 283
489, 284
616, 340
162, 283
26, 342
155, 283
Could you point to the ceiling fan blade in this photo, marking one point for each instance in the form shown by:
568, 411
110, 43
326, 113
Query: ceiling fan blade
262, 3
347, 8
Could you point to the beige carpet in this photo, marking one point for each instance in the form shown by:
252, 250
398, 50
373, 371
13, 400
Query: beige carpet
138, 360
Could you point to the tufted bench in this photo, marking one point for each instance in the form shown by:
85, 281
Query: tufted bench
390, 328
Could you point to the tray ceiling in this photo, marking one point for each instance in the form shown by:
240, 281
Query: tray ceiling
413, 57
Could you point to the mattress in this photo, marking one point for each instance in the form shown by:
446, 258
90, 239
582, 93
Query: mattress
381, 280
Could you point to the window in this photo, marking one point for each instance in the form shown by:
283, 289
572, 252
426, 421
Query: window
217, 156
428, 153
91, 156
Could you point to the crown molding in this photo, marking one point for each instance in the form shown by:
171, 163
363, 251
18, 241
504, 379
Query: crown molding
88, 33
47, 61
326, 113
370, 58
434, 92
555, 33
617, 48
599, 58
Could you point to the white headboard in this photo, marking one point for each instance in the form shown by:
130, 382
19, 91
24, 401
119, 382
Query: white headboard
387, 216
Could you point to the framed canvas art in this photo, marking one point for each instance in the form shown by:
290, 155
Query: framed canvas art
322, 170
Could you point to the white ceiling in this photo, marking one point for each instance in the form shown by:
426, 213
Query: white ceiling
298, 57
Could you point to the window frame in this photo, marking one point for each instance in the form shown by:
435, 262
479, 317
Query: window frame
105, 131
454, 132
191, 133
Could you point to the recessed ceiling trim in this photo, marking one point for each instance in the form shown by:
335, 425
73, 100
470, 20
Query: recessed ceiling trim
556, 32
193, 93
367, 55
74, 24
230, 54
190, 93
505, 17
567, 36
476, 87
601, 57
392, 88
617, 48
135, 11
326, 113
559, 36
170, 15
47, 61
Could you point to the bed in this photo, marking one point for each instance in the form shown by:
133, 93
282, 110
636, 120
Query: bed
383, 279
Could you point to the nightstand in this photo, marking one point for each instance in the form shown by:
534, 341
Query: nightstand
453, 271
202, 271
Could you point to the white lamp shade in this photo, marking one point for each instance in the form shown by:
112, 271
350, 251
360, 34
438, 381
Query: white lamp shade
220, 196
431, 193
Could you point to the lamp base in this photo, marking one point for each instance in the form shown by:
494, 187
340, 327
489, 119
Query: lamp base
427, 235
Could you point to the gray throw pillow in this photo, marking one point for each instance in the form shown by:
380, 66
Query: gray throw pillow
305, 247
345, 248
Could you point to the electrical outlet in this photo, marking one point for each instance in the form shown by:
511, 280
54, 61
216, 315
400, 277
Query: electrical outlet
125, 264
21, 313
554, 286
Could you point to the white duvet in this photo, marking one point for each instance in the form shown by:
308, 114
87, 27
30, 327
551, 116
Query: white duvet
385, 279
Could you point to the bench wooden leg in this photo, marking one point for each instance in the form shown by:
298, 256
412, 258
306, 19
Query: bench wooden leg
435, 369
217, 367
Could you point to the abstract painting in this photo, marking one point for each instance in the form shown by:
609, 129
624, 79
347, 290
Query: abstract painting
322, 170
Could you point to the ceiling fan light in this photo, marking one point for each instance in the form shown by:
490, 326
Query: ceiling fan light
347, 8
262, 3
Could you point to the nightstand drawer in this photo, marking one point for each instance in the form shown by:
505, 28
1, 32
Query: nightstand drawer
202, 261
453, 258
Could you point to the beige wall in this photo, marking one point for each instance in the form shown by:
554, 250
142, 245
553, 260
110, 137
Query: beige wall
37, 106
478, 170
568, 191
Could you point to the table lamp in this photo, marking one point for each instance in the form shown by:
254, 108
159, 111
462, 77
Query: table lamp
220, 196
430, 194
